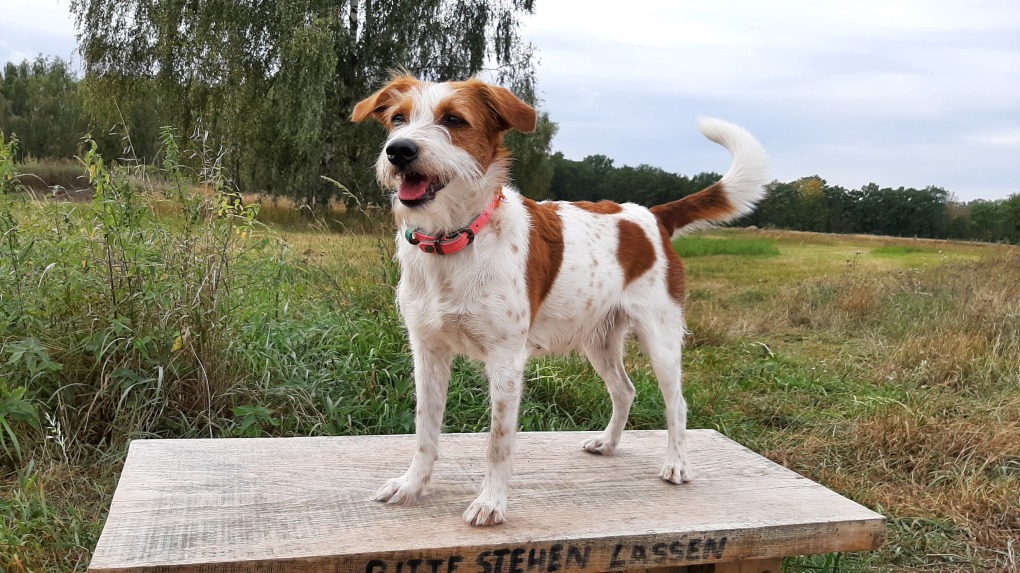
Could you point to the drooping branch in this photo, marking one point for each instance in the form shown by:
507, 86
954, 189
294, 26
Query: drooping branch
274, 80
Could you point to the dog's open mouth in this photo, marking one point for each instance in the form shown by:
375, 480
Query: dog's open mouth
418, 189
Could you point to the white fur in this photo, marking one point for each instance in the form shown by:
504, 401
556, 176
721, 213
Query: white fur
475, 303
468, 191
745, 179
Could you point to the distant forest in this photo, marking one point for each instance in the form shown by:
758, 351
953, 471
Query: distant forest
48, 108
807, 204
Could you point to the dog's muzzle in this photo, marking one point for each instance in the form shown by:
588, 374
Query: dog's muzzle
416, 188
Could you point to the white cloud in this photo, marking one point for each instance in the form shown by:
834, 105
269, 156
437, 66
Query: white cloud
1008, 138
33, 27
51, 16
899, 92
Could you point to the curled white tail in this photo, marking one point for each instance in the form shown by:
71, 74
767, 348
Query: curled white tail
735, 194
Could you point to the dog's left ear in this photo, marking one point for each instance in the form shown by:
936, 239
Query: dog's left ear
513, 113
376, 104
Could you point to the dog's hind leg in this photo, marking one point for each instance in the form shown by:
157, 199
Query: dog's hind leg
506, 382
606, 356
431, 379
661, 335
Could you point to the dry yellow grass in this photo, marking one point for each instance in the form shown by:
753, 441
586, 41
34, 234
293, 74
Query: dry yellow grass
887, 369
897, 382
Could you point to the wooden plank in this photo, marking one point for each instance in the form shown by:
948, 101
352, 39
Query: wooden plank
303, 504
751, 566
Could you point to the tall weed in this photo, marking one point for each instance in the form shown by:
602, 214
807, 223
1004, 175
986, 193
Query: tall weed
120, 320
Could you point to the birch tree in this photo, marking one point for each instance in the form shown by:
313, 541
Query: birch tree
274, 80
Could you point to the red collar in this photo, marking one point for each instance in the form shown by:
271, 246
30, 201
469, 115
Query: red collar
443, 244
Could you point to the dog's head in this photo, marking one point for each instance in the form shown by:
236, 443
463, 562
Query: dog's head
444, 152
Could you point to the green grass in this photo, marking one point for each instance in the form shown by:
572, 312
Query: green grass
889, 378
706, 246
41, 527
899, 250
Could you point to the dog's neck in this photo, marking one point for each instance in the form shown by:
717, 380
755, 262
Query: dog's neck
456, 206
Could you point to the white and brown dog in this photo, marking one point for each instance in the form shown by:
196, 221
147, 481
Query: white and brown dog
495, 276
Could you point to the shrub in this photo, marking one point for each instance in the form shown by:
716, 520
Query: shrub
121, 319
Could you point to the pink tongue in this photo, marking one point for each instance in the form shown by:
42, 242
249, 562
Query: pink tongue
411, 190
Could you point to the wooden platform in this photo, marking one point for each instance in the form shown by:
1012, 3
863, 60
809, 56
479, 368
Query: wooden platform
303, 504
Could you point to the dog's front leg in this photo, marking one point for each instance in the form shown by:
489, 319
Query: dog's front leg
431, 379
506, 382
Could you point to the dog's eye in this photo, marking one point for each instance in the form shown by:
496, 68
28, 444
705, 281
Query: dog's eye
453, 120
398, 119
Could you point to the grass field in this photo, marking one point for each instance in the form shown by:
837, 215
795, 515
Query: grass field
886, 369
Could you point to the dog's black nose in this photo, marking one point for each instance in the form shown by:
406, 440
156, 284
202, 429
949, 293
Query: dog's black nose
402, 152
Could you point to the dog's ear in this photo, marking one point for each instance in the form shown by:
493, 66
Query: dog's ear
513, 113
377, 103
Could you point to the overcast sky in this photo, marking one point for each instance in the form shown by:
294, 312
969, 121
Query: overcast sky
897, 92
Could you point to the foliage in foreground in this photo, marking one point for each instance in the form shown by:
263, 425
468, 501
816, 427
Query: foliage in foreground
886, 370
116, 314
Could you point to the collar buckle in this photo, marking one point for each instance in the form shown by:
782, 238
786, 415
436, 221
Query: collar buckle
412, 236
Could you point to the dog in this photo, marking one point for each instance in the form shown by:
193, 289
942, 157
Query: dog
492, 275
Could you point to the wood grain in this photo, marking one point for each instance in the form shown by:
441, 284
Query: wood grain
303, 504
751, 566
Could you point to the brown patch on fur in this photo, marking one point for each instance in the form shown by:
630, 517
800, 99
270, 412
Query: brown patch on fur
545, 251
487, 113
674, 269
480, 134
602, 207
634, 251
507, 109
709, 204
389, 96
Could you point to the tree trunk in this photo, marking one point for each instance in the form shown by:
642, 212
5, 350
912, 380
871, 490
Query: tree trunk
353, 20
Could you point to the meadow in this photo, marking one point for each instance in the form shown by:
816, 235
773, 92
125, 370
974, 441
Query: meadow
886, 369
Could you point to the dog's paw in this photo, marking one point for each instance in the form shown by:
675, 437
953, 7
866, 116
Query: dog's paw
600, 444
675, 472
486, 511
400, 491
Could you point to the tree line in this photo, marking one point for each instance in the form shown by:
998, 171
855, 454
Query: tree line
807, 204
49, 108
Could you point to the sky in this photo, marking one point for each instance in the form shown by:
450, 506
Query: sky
897, 92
